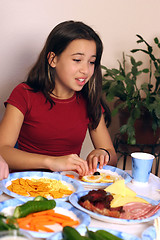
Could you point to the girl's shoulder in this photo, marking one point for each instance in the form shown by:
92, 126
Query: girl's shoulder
22, 87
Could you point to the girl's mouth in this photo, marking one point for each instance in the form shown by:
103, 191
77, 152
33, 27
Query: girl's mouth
81, 81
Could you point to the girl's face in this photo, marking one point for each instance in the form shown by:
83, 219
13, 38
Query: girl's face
74, 67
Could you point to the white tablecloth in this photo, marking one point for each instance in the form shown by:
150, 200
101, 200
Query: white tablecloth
149, 190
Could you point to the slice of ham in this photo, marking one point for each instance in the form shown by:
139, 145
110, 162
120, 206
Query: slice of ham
137, 210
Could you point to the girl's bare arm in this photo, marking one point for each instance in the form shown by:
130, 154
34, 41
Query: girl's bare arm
101, 139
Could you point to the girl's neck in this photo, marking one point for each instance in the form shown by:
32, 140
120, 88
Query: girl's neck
57, 95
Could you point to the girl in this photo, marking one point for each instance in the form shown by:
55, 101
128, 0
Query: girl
49, 113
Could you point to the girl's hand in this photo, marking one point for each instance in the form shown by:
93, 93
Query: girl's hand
4, 170
71, 162
97, 156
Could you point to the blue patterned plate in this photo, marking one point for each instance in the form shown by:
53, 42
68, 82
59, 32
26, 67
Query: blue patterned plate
35, 174
82, 231
83, 217
119, 171
1, 192
75, 197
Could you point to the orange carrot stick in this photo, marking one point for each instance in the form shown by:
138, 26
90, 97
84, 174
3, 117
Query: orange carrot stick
70, 223
45, 212
61, 216
38, 221
70, 175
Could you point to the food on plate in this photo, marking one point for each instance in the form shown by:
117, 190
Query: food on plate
33, 206
42, 215
101, 176
44, 221
122, 194
139, 210
92, 178
99, 201
70, 175
70, 233
120, 187
42, 186
117, 200
7, 223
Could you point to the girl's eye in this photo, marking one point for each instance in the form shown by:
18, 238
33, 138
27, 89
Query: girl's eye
76, 60
93, 62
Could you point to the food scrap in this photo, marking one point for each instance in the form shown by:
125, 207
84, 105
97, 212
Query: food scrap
43, 186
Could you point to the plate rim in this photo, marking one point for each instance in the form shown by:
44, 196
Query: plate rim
73, 200
28, 174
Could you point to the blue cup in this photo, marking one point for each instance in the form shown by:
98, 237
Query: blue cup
141, 166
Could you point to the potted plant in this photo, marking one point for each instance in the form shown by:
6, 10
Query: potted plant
139, 100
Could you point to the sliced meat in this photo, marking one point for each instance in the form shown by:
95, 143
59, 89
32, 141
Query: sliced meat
98, 201
137, 210
104, 211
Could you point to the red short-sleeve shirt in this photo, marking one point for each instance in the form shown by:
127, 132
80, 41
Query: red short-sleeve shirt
58, 131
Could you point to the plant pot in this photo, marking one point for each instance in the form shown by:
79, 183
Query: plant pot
144, 133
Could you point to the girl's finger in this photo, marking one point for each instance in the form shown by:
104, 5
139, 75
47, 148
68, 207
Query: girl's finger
79, 170
106, 159
101, 161
95, 162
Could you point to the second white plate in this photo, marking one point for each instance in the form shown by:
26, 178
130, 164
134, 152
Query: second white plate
74, 198
35, 174
106, 168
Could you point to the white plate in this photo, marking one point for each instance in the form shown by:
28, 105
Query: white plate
35, 174
76, 196
83, 217
118, 171
82, 231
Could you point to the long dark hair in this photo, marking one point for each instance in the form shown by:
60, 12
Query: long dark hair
42, 75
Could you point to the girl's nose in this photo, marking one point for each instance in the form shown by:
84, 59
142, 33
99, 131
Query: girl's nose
84, 69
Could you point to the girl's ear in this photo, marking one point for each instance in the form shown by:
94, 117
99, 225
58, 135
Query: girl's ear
51, 59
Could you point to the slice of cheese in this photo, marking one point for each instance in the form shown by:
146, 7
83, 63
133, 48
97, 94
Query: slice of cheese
130, 192
122, 194
120, 200
120, 188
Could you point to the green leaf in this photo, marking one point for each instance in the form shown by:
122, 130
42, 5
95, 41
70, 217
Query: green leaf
123, 128
131, 140
156, 40
145, 70
139, 63
133, 61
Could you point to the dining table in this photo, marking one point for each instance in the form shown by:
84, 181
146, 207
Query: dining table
150, 190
